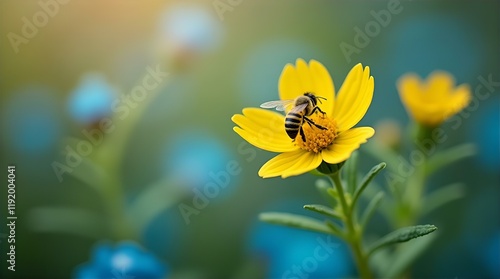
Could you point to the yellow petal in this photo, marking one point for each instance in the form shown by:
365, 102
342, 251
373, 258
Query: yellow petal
354, 98
306, 163
433, 101
409, 88
324, 85
288, 85
430, 114
462, 95
290, 164
295, 81
458, 100
411, 93
439, 86
305, 79
346, 143
264, 129
280, 163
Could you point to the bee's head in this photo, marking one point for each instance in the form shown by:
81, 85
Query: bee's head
314, 98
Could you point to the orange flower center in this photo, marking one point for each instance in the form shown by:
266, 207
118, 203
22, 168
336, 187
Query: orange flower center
317, 138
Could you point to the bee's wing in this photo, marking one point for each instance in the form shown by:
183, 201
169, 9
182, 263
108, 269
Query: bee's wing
299, 108
280, 105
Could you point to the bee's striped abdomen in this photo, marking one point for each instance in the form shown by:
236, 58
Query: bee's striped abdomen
293, 121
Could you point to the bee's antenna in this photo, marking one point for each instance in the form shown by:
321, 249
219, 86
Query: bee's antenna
319, 99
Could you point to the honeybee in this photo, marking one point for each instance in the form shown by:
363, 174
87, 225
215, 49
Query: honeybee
303, 106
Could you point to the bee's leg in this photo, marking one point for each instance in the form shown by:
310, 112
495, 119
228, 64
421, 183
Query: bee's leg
316, 108
310, 122
302, 134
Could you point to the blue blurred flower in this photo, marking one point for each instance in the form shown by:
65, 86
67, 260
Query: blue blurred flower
190, 27
32, 124
126, 260
92, 98
194, 158
294, 253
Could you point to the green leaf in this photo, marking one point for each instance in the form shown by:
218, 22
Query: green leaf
386, 208
442, 196
366, 180
401, 235
381, 261
325, 210
67, 220
86, 171
371, 208
322, 185
451, 155
90, 173
295, 221
351, 172
112, 149
333, 193
154, 199
337, 230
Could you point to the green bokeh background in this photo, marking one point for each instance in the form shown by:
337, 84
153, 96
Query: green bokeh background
117, 38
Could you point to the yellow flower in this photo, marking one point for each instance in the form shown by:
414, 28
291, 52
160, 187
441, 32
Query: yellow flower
432, 101
265, 129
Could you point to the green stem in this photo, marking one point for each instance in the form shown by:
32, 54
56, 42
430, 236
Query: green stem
120, 227
354, 232
410, 206
412, 200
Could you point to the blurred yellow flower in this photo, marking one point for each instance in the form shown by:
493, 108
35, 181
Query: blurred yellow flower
432, 101
265, 129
